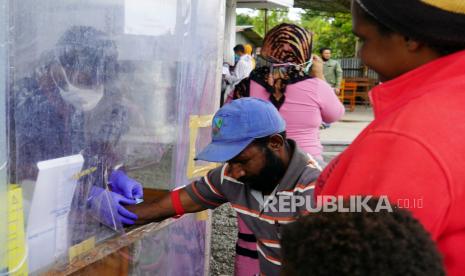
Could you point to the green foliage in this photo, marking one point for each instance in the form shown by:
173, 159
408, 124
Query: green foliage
245, 19
330, 30
275, 17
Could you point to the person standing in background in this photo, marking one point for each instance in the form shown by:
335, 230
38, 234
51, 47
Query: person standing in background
249, 51
304, 101
332, 70
243, 67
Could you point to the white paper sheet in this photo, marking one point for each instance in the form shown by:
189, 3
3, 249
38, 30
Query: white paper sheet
50, 206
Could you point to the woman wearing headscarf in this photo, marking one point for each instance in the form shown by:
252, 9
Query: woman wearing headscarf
414, 151
282, 77
303, 101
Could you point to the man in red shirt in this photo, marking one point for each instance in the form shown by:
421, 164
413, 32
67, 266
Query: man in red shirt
414, 150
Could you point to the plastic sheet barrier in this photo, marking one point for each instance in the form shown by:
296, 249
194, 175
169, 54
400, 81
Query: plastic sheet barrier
103, 85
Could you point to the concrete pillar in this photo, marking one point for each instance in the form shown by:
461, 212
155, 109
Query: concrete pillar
230, 31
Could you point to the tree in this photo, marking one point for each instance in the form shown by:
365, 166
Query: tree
331, 30
244, 20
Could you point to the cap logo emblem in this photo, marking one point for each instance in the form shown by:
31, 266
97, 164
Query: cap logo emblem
217, 124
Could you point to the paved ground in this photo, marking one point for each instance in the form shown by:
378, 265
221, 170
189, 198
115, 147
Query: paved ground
349, 127
224, 230
224, 234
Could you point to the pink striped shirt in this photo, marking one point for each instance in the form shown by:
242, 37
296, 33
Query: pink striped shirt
308, 103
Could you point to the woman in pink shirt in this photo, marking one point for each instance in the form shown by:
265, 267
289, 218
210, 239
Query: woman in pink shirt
307, 104
303, 101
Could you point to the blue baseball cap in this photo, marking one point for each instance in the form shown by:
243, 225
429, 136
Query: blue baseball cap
237, 124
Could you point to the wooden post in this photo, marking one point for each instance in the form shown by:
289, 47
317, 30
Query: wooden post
266, 21
357, 47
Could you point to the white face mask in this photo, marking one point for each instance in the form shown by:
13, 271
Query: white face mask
81, 98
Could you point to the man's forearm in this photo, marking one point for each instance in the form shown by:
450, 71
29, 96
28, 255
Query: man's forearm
163, 208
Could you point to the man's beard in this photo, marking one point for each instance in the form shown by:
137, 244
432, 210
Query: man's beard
269, 175
324, 59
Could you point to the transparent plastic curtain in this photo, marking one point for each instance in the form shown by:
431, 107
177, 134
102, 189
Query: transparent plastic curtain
65, 105
113, 81
3, 147
181, 248
200, 28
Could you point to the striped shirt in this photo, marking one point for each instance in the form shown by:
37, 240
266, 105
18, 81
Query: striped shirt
262, 215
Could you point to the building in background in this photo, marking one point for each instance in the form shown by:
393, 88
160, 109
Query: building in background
247, 35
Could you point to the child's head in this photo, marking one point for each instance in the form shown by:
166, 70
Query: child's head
359, 243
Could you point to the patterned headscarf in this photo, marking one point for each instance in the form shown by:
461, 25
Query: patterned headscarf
287, 43
286, 52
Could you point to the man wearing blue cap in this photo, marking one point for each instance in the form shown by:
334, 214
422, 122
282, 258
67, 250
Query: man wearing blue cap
262, 171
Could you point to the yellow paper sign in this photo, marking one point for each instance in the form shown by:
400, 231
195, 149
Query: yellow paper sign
196, 122
17, 264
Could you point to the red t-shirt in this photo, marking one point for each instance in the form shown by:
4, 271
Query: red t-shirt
414, 152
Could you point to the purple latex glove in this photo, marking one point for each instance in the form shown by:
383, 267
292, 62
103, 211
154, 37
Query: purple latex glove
122, 184
108, 208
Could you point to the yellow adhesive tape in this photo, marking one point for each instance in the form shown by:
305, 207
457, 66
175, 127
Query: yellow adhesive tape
81, 248
85, 172
196, 122
202, 215
16, 237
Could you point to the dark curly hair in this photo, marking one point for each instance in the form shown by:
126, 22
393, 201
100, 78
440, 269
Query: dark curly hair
359, 243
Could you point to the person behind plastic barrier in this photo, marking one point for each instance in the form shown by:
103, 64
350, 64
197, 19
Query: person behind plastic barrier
55, 115
387, 241
261, 168
332, 70
414, 150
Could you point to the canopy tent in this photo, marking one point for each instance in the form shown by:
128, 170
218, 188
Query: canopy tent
324, 5
265, 4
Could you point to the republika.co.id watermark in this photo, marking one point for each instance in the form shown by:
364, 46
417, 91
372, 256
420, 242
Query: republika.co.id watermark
327, 203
